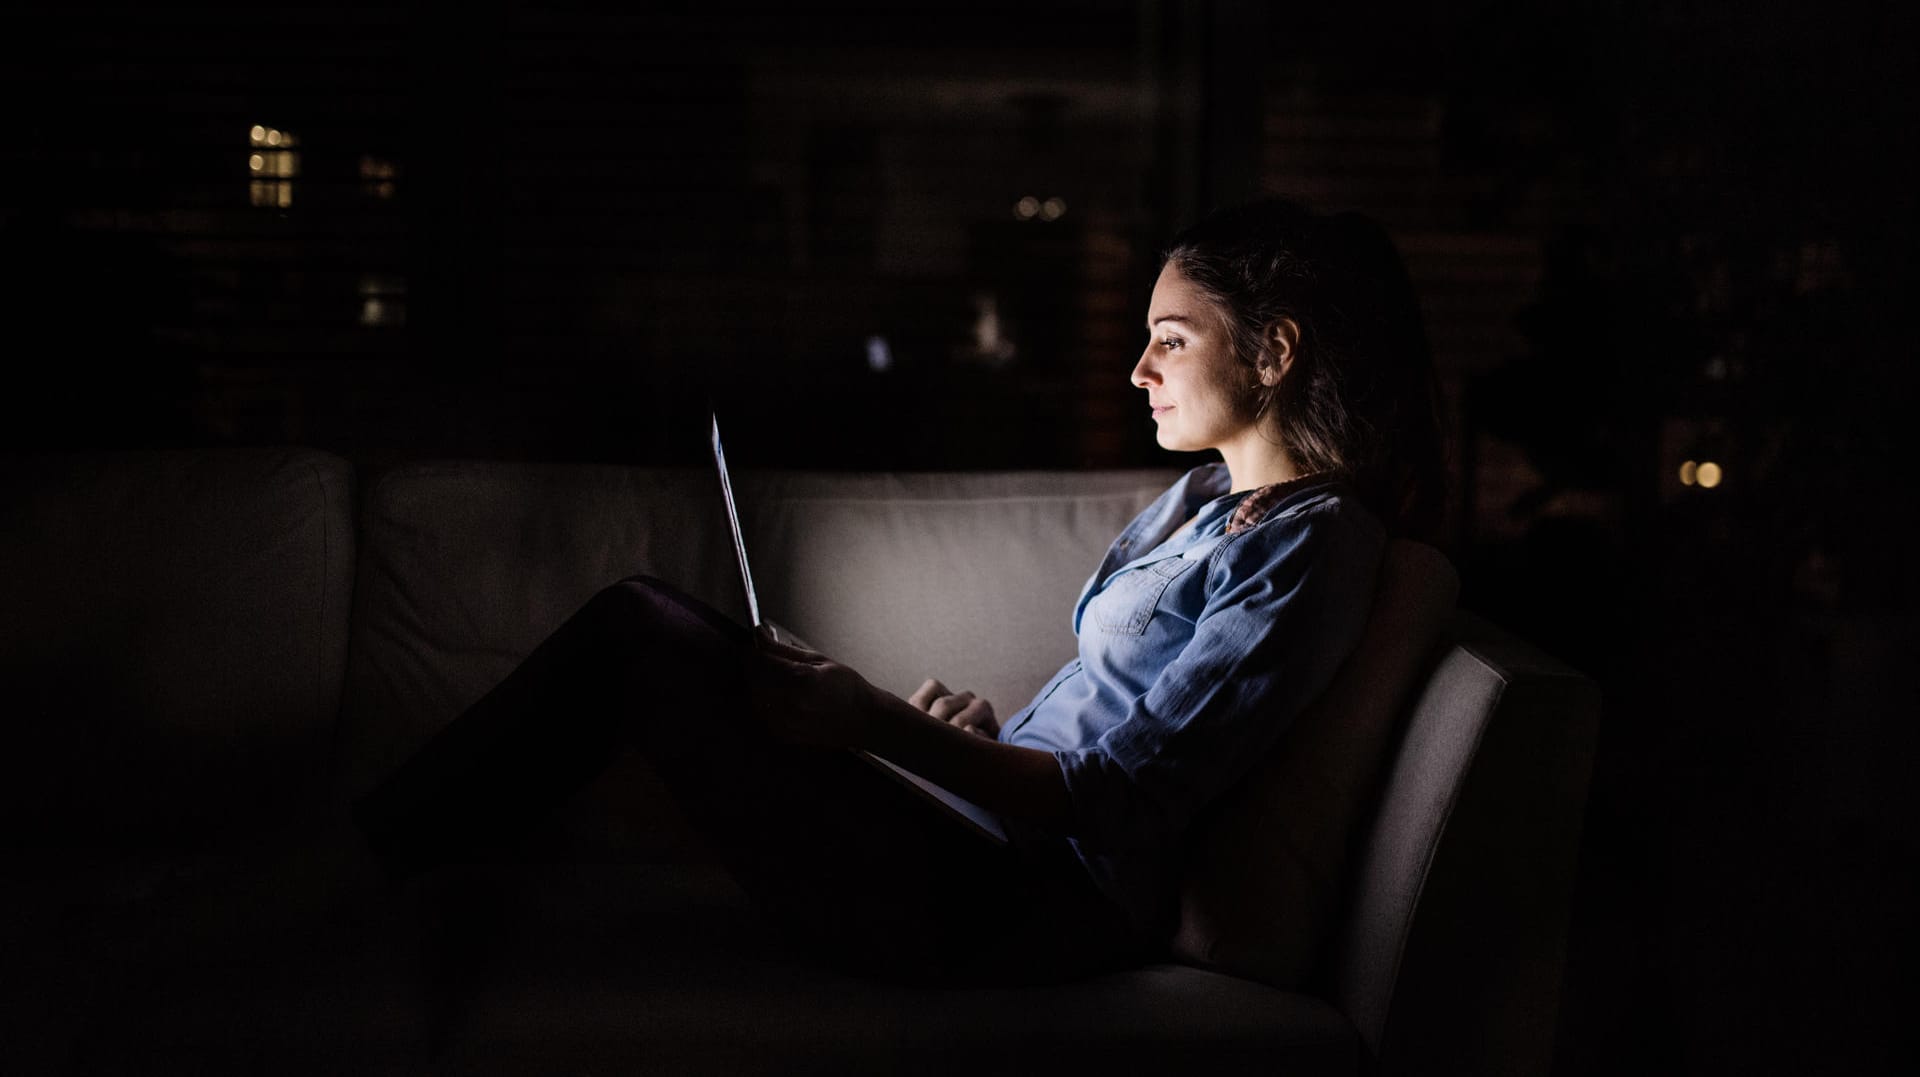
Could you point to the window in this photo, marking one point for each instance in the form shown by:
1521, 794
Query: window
383, 300
377, 177
273, 164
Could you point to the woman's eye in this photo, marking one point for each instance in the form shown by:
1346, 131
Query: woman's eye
1171, 343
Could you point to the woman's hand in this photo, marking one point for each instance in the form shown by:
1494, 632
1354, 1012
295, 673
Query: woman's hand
964, 709
804, 697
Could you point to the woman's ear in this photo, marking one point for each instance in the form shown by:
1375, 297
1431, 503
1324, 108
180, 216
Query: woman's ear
1283, 342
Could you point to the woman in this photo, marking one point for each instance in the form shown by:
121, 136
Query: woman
1286, 341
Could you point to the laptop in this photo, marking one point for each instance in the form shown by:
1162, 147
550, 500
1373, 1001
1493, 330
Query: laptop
952, 804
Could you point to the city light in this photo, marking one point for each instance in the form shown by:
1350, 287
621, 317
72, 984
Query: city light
1705, 474
1030, 207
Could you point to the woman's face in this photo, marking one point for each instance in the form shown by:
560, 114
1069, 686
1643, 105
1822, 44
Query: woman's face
1202, 396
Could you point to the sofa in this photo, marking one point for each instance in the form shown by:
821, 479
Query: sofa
207, 654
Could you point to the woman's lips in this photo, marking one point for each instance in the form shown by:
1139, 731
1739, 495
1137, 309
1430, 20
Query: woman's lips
1160, 409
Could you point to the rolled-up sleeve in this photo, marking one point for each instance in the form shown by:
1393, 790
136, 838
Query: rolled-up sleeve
1285, 603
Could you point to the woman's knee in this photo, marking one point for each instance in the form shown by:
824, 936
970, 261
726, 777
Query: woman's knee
634, 599
649, 606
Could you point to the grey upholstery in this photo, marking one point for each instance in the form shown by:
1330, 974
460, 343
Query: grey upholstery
1450, 958
193, 607
968, 577
627, 970
175, 626
466, 567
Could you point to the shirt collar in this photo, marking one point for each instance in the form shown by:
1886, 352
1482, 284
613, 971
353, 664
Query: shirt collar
1201, 488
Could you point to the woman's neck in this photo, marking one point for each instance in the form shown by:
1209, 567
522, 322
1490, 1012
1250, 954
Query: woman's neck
1254, 461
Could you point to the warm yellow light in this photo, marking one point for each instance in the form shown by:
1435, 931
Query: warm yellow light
1052, 208
256, 162
259, 134
1026, 208
1709, 474
1687, 472
273, 137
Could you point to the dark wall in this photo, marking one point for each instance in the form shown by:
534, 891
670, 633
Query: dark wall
1645, 236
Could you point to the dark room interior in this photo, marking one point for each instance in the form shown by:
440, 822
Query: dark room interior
1663, 252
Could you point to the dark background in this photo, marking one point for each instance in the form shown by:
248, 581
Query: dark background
1643, 233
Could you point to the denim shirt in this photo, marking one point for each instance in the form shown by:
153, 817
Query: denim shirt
1196, 650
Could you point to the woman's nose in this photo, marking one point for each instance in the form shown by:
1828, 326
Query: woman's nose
1144, 375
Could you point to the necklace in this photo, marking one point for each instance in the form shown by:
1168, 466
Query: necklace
1254, 507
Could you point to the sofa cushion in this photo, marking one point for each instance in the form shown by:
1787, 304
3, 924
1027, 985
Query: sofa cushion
304, 999
668, 970
73, 926
967, 577
1265, 882
172, 649
466, 566
596, 968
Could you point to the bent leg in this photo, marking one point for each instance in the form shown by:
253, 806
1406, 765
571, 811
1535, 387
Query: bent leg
552, 725
844, 858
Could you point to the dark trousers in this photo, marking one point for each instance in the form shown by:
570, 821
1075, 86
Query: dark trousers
848, 862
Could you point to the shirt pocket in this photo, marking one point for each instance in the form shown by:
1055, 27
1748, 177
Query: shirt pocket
1067, 672
1127, 604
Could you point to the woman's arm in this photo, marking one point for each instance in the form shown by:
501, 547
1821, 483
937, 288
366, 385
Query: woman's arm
1021, 783
808, 698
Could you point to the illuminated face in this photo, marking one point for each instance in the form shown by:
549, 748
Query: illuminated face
1201, 395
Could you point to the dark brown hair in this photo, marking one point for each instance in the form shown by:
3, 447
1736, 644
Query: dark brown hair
1360, 397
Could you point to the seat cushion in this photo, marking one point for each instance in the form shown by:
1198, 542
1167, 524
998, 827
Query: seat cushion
668, 970
173, 642
303, 1000
633, 968
73, 925
1265, 882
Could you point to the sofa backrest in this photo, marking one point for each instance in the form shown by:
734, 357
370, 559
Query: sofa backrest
171, 649
465, 567
1268, 865
1451, 954
968, 577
